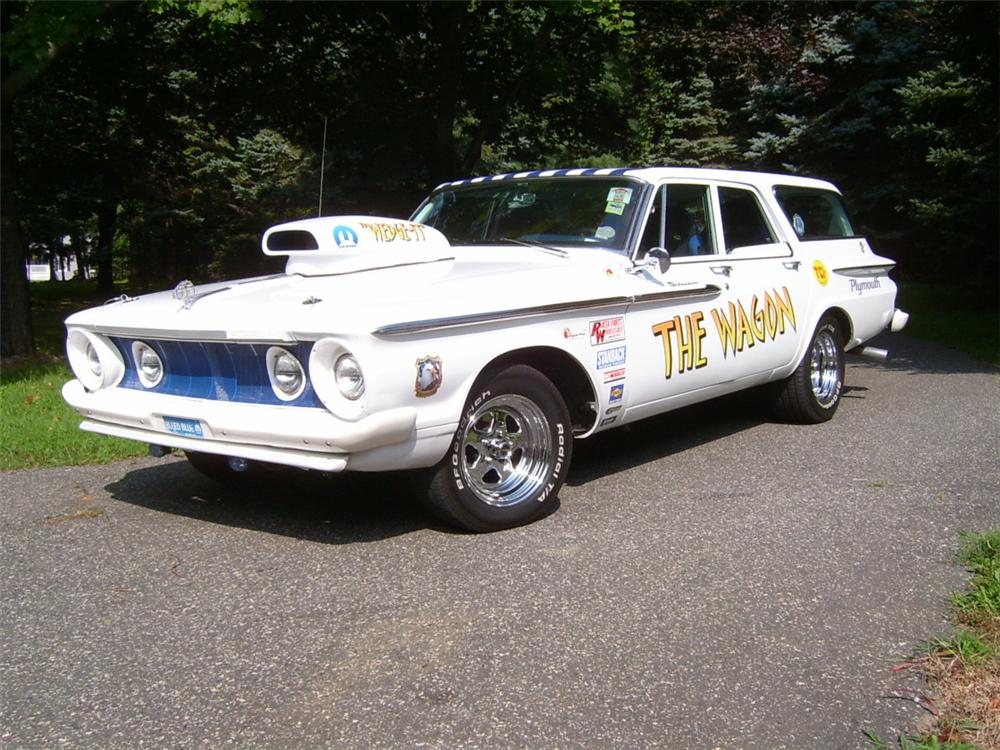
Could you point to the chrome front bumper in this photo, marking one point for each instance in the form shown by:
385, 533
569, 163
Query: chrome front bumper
294, 436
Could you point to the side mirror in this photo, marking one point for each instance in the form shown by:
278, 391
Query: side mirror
662, 258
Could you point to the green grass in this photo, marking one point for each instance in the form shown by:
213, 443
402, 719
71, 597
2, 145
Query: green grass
963, 670
948, 315
38, 428
981, 603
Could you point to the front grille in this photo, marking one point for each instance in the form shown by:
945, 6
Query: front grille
215, 370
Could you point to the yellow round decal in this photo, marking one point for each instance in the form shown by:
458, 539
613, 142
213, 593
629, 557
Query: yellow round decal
820, 270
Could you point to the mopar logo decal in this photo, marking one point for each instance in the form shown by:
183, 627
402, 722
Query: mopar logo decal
614, 357
344, 236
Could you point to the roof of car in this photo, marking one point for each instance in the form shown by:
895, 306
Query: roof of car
655, 175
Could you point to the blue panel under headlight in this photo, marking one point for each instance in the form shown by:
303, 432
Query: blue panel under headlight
215, 371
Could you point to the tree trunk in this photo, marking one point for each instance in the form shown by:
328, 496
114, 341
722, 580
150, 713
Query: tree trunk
107, 225
16, 337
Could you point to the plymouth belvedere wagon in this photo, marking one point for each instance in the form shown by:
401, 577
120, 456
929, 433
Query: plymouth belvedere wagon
507, 318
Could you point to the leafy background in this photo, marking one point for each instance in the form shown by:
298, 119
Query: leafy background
157, 140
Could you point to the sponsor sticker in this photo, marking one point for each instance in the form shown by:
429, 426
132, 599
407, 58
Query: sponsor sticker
616, 393
613, 357
607, 330
620, 195
615, 208
819, 270
613, 375
344, 236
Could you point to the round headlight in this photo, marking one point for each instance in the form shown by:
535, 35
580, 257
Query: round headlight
93, 360
147, 363
288, 378
288, 373
350, 380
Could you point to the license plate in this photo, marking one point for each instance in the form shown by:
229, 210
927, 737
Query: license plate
185, 427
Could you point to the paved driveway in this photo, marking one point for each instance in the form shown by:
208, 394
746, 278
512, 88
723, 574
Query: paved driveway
711, 580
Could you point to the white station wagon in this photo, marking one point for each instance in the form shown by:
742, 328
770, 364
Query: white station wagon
508, 317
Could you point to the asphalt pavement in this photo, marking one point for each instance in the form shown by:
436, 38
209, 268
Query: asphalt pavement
711, 580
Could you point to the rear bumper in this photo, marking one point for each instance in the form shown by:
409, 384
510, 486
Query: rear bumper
898, 320
294, 436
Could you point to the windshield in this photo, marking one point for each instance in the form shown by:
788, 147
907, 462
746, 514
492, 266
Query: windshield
559, 211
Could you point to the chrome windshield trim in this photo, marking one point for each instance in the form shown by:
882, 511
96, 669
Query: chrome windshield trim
864, 271
461, 321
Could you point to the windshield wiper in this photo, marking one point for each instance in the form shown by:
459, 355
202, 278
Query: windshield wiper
536, 245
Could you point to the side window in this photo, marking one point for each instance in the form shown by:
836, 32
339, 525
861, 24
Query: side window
680, 221
743, 220
814, 214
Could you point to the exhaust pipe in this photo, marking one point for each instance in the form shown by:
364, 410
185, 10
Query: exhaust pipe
158, 451
873, 352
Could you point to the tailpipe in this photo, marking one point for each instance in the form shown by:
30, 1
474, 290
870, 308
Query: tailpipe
873, 352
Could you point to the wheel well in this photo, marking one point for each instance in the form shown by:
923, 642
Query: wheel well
563, 370
844, 321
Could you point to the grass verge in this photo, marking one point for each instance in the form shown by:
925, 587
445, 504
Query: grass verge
963, 671
37, 428
947, 315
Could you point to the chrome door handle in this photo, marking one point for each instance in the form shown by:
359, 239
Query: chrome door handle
721, 270
792, 265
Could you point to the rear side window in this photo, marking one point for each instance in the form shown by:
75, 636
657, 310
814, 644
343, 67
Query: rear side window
743, 220
814, 214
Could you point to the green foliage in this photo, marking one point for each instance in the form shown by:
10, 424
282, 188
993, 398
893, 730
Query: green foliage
213, 129
981, 603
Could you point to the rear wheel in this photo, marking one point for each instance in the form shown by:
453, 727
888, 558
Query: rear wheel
509, 457
812, 393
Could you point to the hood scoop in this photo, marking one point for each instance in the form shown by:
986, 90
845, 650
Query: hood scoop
349, 244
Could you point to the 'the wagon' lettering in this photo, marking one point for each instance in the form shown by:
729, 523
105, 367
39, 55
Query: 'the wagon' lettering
769, 316
766, 321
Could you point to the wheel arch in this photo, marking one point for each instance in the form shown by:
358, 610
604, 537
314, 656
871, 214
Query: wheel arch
562, 369
843, 320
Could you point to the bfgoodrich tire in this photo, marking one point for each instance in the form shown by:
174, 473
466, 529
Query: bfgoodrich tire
509, 457
812, 393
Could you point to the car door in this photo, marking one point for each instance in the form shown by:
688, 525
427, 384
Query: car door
722, 316
673, 355
758, 328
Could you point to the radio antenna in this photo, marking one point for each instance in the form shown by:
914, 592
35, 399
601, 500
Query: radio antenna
322, 171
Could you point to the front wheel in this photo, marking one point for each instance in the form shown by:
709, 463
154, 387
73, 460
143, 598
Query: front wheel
812, 393
509, 457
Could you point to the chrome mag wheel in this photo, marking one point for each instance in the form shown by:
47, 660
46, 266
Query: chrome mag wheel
824, 368
506, 453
